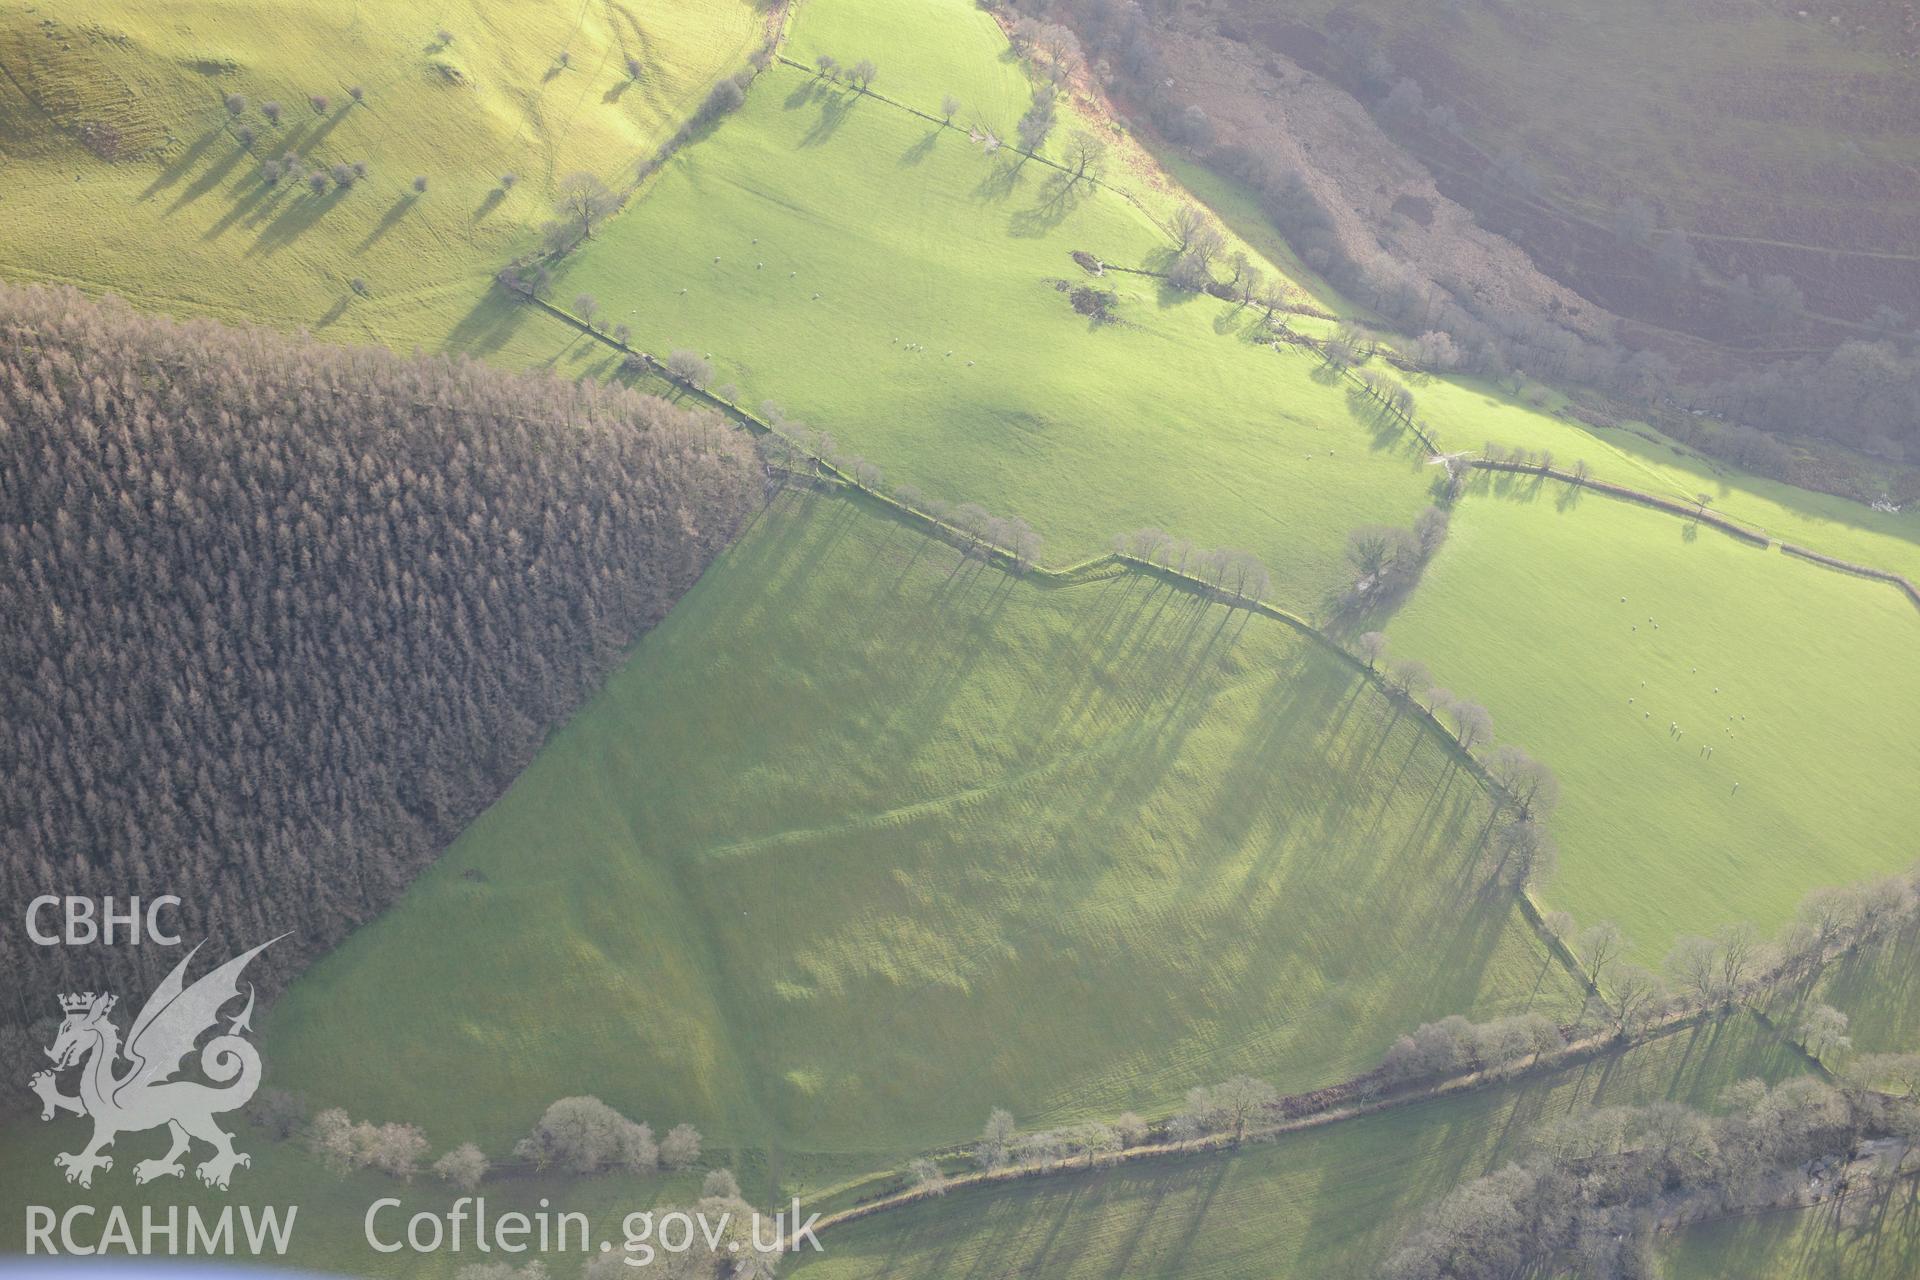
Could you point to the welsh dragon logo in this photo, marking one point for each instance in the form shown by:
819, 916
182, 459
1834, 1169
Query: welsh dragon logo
145, 1095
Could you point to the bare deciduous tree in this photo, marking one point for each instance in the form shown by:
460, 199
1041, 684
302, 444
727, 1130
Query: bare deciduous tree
1409, 675
996, 1139
1695, 963
1824, 1031
1188, 222
1372, 646
680, 1148
1086, 156
583, 200
690, 367
1472, 723
464, 1166
926, 1176
1599, 946
1639, 997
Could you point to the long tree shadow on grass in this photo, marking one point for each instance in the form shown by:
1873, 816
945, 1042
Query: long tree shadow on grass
1004, 176
921, 149
834, 109
244, 206
1058, 196
293, 220
399, 209
215, 174
494, 318
180, 168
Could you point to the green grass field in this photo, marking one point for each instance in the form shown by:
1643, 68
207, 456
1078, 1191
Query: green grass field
1468, 413
1327, 1202
1822, 1243
899, 229
866, 840
830, 250
1799, 678
1877, 987
181, 221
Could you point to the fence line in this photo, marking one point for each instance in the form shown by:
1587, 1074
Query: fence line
1671, 506
1904, 583
1593, 1047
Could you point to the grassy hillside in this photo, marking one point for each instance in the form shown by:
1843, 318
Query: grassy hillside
1328, 1202
124, 171
866, 840
1588, 626
884, 279
1468, 413
838, 236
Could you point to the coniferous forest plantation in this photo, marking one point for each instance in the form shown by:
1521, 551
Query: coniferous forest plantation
1252, 639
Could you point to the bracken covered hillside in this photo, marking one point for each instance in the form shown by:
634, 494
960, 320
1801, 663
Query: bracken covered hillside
280, 617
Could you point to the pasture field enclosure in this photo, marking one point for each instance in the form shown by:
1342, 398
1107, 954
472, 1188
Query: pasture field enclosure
1589, 626
869, 836
884, 280
142, 182
867, 840
1325, 1202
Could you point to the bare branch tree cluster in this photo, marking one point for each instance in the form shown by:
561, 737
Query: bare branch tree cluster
1235, 575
